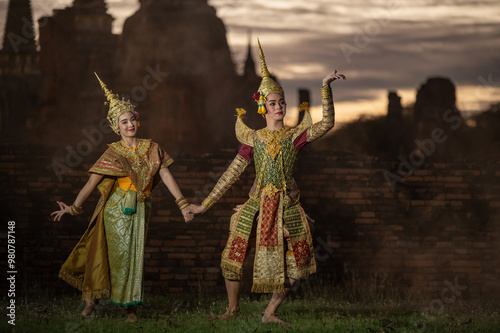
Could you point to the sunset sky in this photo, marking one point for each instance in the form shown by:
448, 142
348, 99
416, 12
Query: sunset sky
379, 45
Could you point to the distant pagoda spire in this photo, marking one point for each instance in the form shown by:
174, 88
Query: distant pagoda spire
249, 69
19, 33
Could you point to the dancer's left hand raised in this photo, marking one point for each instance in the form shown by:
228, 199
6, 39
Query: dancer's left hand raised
332, 77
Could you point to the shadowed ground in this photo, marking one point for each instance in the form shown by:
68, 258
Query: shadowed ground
312, 308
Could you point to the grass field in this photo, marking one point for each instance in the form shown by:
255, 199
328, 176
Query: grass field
309, 310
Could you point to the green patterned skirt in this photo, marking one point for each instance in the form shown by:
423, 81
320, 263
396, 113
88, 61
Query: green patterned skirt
126, 238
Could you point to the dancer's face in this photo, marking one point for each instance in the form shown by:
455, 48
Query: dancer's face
275, 106
127, 123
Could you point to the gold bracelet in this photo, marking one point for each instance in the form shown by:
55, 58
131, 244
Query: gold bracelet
181, 202
75, 210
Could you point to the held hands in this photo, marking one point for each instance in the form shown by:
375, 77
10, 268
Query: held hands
59, 213
188, 213
332, 77
191, 210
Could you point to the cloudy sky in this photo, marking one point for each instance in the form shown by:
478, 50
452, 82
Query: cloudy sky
379, 45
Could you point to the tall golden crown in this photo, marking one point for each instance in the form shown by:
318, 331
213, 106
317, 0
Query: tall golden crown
267, 85
117, 106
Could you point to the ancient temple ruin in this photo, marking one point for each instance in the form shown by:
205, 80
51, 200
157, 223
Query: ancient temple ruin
172, 60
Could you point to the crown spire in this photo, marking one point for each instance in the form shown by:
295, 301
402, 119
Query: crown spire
267, 85
117, 106
263, 67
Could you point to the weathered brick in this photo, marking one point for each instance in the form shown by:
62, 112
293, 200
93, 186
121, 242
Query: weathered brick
349, 195
356, 202
459, 196
181, 255
366, 221
419, 263
424, 230
465, 263
367, 214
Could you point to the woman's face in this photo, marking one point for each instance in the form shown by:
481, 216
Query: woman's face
275, 106
127, 124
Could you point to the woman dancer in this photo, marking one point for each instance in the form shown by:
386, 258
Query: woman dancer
108, 260
273, 214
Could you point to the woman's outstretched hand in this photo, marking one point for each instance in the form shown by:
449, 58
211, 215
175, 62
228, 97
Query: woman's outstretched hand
59, 213
332, 77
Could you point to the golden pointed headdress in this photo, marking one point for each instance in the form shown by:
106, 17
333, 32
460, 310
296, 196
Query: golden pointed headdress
267, 85
117, 106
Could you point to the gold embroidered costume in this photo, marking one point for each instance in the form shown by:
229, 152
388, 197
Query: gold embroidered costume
108, 259
273, 212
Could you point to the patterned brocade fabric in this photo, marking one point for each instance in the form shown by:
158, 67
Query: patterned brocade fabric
273, 213
125, 240
139, 163
275, 157
87, 267
322, 127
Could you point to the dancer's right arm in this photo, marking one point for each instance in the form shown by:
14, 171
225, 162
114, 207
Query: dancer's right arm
80, 199
233, 172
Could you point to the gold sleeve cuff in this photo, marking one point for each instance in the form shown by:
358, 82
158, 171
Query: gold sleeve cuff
232, 174
326, 92
207, 203
322, 127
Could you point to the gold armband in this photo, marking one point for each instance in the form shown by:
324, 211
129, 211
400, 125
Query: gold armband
322, 127
231, 175
74, 209
181, 202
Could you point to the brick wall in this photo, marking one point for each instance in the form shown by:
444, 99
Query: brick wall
439, 226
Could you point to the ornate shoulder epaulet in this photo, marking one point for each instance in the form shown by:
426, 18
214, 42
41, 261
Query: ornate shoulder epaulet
305, 123
244, 134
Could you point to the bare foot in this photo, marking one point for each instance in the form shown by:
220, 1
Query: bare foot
272, 318
89, 306
229, 314
131, 314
